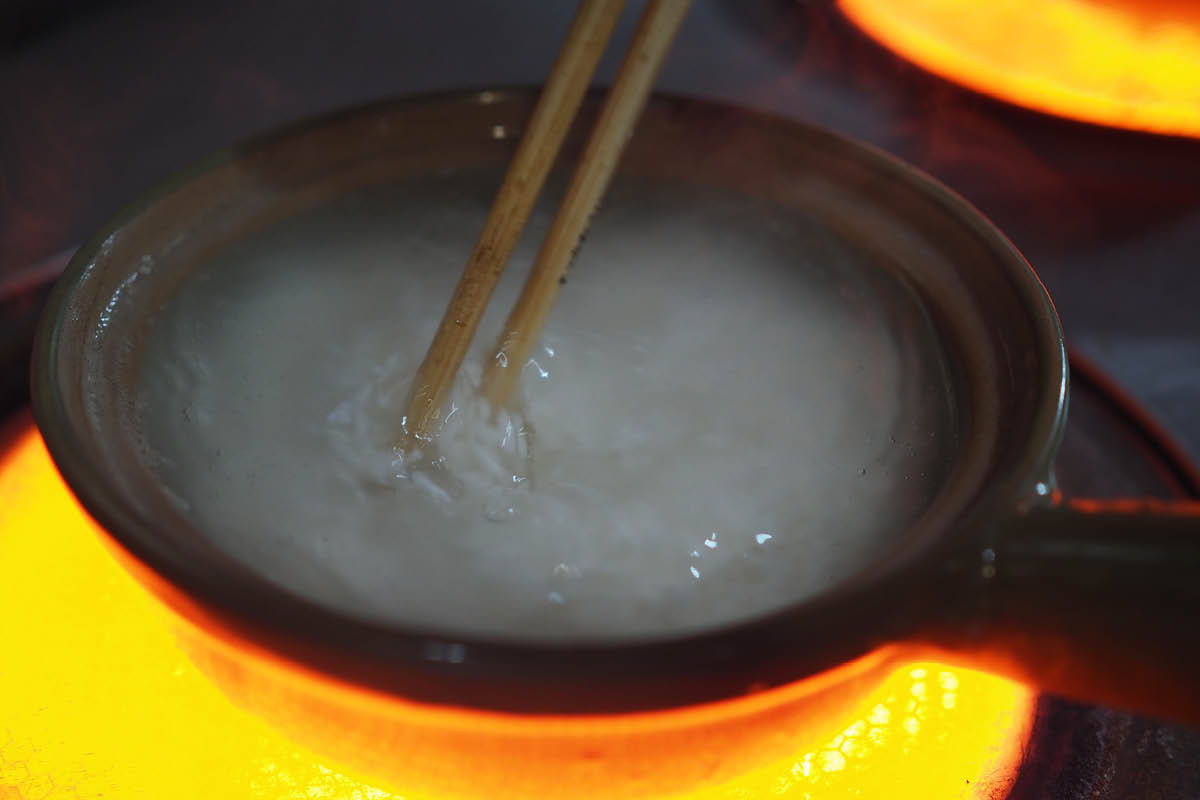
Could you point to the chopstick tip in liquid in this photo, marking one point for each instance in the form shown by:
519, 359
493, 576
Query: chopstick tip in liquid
556, 108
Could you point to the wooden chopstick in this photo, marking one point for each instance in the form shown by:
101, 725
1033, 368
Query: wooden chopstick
656, 30
556, 108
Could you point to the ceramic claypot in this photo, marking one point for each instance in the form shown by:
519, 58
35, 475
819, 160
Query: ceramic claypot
1095, 601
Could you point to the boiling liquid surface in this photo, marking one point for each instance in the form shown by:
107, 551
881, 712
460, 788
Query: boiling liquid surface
730, 410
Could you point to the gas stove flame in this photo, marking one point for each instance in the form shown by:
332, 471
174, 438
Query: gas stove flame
98, 700
1123, 63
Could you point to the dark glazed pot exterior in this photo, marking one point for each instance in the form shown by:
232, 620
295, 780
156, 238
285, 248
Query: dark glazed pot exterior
988, 574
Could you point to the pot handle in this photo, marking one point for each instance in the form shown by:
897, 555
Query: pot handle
1091, 599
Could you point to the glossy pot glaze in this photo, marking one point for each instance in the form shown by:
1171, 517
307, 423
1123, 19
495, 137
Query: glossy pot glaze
1096, 603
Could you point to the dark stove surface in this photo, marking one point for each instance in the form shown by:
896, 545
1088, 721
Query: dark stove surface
98, 107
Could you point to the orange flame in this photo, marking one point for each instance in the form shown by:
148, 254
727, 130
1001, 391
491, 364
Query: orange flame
1125, 63
98, 699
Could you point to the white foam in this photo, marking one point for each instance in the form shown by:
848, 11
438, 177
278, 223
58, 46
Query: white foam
691, 450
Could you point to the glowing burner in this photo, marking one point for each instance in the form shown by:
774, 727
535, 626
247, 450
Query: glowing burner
98, 701
1127, 63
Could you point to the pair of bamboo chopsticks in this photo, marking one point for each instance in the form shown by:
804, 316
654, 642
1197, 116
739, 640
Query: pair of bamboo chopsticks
556, 108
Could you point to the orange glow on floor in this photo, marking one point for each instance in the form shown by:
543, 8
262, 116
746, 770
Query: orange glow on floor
97, 701
1126, 63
